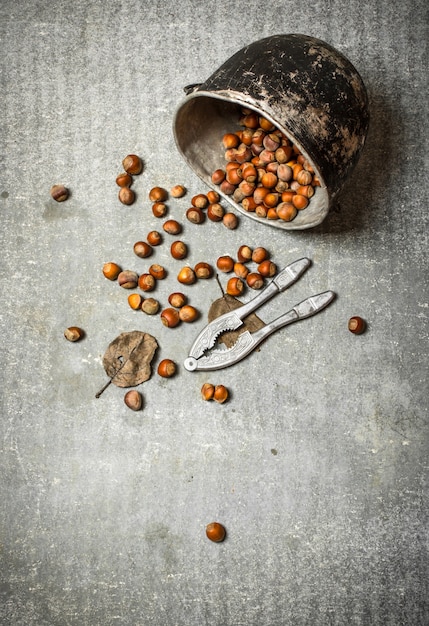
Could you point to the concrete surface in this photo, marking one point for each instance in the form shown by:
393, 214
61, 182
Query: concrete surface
317, 465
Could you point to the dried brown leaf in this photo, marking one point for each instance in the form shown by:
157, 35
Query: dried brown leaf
228, 303
127, 360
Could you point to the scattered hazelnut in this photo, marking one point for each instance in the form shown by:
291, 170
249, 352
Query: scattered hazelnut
188, 313
111, 270
135, 301
244, 254
142, 249
150, 306
207, 391
172, 227
215, 212
195, 215
177, 299
356, 325
215, 532
167, 368
134, 400
240, 270
159, 209
203, 270
126, 195
254, 280
178, 191
132, 164
230, 220
225, 263
221, 394
158, 194
170, 317
186, 276
259, 254
178, 250
157, 271
59, 193
267, 268
128, 279
73, 333
147, 282
234, 286
200, 201
124, 180
154, 238
213, 196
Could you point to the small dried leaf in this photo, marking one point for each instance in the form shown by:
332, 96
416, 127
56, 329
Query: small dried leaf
127, 360
228, 303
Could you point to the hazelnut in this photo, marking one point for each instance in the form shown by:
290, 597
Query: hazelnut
230, 140
225, 263
177, 299
259, 254
158, 194
126, 195
267, 268
128, 279
286, 211
154, 238
240, 270
111, 270
244, 254
59, 193
73, 333
215, 212
221, 394
135, 301
147, 282
167, 368
178, 250
200, 201
124, 180
142, 249
195, 215
188, 313
157, 271
172, 227
218, 176
159, 209
186, 276
150, 306
254, 280
213, 196
203, 270
227, 188
178, 191
170, 317
132, 164
207, 391
299, 202
356, 325
215, 532
134, 400
234, 286
230, 220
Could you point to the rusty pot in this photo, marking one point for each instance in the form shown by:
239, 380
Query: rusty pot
306, 88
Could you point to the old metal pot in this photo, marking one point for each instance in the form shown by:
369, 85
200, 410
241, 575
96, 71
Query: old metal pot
309, 90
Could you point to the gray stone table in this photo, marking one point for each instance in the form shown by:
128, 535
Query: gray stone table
317, 465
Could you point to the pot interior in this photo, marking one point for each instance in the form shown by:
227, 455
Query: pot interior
199, 125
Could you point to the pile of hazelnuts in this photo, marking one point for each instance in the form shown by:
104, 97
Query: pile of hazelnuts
265, 172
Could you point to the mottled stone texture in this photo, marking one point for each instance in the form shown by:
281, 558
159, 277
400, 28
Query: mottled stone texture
317, 466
